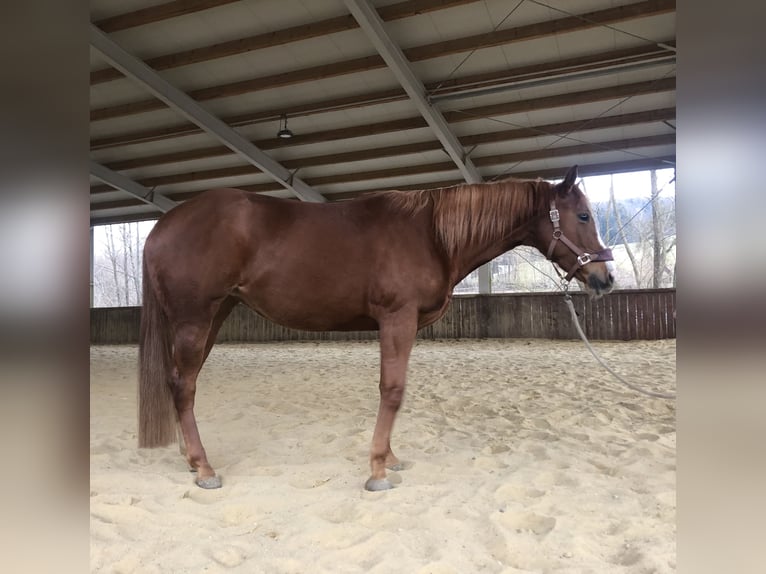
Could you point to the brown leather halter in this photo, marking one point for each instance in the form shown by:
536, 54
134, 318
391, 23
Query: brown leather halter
583, 258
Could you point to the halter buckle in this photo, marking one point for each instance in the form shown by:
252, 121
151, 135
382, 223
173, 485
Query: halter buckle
555, 217
583, 259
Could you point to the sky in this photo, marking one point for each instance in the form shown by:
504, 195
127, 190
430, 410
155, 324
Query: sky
629, 185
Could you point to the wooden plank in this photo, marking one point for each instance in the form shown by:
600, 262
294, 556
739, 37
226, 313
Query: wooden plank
610, 316
156, 14
597, 329
646, 319
621, 308
640, 314
670, 319
618, 321
633, 316
626, 310
589, 313
656, 317
567, 329
527, 310
613, 327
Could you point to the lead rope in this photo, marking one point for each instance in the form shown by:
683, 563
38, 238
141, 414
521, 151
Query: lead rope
568, 300
563, 286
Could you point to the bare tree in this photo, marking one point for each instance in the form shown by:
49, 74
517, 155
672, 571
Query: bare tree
117, 272
657, 251
131, 261
138, 267
623, 235
125, 248
663, 237
113, 256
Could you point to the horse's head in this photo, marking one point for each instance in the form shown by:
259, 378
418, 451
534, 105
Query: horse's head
568, 236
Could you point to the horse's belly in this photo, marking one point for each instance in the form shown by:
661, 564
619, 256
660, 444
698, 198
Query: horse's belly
305, 314
320, 322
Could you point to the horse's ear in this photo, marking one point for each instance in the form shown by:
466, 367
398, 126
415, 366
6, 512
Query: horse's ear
569, 181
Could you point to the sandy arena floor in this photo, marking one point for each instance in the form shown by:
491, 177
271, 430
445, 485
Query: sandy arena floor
523, 455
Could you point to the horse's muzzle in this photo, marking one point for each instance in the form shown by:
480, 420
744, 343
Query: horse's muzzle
598, 286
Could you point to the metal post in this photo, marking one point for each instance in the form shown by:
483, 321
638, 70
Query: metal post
485, 279
91, 267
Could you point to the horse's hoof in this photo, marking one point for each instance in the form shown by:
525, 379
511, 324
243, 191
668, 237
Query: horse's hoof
376, 484
209, 482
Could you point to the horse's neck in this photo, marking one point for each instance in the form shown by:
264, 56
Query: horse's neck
473, 256
486, 238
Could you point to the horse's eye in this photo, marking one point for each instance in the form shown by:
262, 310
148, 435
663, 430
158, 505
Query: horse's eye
584, 217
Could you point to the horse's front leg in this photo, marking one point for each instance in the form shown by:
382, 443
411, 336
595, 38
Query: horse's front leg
397, 335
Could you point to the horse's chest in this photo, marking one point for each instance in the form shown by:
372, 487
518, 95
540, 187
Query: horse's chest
430, 315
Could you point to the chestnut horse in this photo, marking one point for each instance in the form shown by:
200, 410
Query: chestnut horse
386, 261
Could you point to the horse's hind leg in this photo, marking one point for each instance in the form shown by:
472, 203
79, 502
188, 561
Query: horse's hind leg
223, 312
188, 355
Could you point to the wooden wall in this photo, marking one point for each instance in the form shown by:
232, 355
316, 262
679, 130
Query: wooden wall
621, 315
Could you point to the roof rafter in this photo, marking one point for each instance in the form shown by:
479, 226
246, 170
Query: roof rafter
373, 27
189, 108
156, 14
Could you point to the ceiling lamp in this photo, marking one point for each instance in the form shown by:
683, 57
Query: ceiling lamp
284, 133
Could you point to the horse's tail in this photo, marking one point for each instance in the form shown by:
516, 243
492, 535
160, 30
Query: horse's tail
156, 410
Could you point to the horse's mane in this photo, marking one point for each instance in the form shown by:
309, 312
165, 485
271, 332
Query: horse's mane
469, 213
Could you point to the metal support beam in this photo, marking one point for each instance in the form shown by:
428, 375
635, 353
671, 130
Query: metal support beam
92, 273
372, 24
190, 109
485, 278
119, 181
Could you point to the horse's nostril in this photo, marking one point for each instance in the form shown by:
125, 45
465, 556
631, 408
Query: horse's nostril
611, 278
